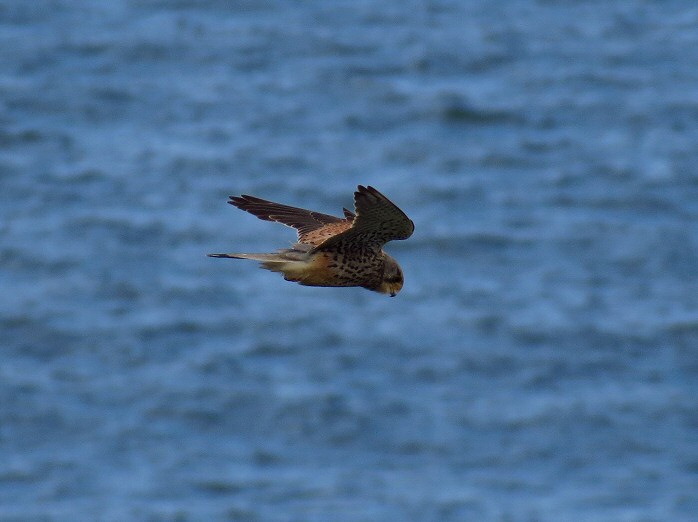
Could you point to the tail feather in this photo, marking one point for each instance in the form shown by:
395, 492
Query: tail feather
255, 257
289, 261
298, 252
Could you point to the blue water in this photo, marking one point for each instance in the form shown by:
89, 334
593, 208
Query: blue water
541, 362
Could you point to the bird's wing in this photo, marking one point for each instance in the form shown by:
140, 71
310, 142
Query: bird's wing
377, 221
304, 221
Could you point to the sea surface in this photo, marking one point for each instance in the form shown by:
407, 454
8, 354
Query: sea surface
541, 362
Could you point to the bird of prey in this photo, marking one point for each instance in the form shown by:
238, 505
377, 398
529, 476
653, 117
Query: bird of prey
333, 251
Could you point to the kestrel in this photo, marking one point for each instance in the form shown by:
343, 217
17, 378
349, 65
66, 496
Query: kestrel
334, 251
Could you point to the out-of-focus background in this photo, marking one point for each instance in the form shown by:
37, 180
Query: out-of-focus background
540, 363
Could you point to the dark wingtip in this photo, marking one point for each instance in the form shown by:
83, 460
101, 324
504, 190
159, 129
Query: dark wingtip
237, 200
368, 189
368, 192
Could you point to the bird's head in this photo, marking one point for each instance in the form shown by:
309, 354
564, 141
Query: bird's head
392, 277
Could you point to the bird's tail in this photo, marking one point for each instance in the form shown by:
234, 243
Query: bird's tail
268, 258
286, 261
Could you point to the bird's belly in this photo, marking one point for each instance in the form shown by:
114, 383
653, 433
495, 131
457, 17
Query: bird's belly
332, 269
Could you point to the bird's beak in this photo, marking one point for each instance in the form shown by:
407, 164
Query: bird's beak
390, 289
393, 289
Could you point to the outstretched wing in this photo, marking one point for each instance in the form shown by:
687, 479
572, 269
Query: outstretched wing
304, 221
377, 221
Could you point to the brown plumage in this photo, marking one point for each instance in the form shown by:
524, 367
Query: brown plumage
333, 251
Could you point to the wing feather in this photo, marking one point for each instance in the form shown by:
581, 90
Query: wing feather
377, 221
304, 221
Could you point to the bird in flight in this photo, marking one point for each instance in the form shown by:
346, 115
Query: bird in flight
333, 251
